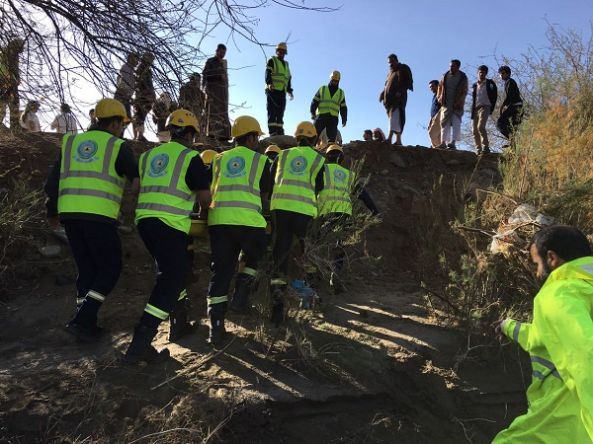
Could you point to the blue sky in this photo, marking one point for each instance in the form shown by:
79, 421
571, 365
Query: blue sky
357, 38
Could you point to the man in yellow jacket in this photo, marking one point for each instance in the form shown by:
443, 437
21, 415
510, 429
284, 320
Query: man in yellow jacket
559, 341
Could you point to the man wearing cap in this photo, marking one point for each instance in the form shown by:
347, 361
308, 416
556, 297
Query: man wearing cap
172, 176
328, 103
298, 178
85, 189
240, 189
278, 84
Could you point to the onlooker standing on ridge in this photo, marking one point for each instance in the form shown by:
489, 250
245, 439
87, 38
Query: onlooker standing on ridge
451, 95
367, 136
278, 84
192, 98
484, 96
511, 109
145, 95
85, 188
9, 82
434, 124
559, 340
93, 119
328, 103
395, 96
162, 108
65, 122
124, 87
29, 119
378, 135
216, 83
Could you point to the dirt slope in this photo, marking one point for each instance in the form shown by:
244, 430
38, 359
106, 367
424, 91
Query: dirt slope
368, 365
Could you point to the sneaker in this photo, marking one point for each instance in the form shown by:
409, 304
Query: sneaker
451, 146
150, 355
83, 333
486, 150
478, 151
442, 146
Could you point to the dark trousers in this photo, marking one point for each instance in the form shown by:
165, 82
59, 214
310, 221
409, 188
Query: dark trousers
168, 247
329, 123
287, 225
226, 242
509, 120
276, 105
96, 248
9, 97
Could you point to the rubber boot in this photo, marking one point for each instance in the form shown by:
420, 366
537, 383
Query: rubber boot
243, 286
277, 293
141, 349
179, 324
217, 333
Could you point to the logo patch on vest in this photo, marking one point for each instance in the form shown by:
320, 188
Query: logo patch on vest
86, 151
158, 165
298, 165
339, 176
235, 167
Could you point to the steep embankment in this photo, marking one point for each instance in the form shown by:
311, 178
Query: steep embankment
366, 366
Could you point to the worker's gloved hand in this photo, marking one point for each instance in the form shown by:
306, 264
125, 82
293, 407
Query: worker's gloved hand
291, 96
343, 124
269, 87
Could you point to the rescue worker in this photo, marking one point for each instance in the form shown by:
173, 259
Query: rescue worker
334, 202
272, 152
172, 175
329, 102
240, 189
208, 157
278, 84
298, 178
85, 188
9, 82
559, 341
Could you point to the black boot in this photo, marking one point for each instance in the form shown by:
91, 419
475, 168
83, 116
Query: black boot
277, 293
179, 325
243, 286
216, 313
141, 349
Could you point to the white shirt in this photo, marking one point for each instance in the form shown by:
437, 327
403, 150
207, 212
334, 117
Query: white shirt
31, 122
65, 123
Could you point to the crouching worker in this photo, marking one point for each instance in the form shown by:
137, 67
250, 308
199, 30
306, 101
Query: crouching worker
240, 189
559, 341
171, 176
334, 202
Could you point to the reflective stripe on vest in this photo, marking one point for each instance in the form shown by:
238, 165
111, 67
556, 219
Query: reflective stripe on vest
294, 188
329, 104
89, 182
280, 74
164, 194
337, 187
236, 198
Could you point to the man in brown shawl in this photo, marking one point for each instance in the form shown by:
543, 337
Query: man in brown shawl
395, 96
192, 98
216, 83
9, 81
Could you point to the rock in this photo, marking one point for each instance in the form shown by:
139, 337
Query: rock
397, 160
283, 142
50, 251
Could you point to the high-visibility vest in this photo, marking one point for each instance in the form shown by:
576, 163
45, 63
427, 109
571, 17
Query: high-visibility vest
337, 187
280, 74
559, 341
89, 182
236, 198
329, 104
294, 188
164, 194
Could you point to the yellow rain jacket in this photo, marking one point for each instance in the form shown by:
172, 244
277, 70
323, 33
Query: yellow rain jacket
560, 343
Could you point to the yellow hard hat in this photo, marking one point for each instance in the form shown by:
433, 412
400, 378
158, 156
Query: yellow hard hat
111, 108
335, 75
183, 118
245, 125
334, 147
282, 45
208, 156
273, 149
305, 129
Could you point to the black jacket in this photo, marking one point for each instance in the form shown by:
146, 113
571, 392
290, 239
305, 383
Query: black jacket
512, 96
492, 91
